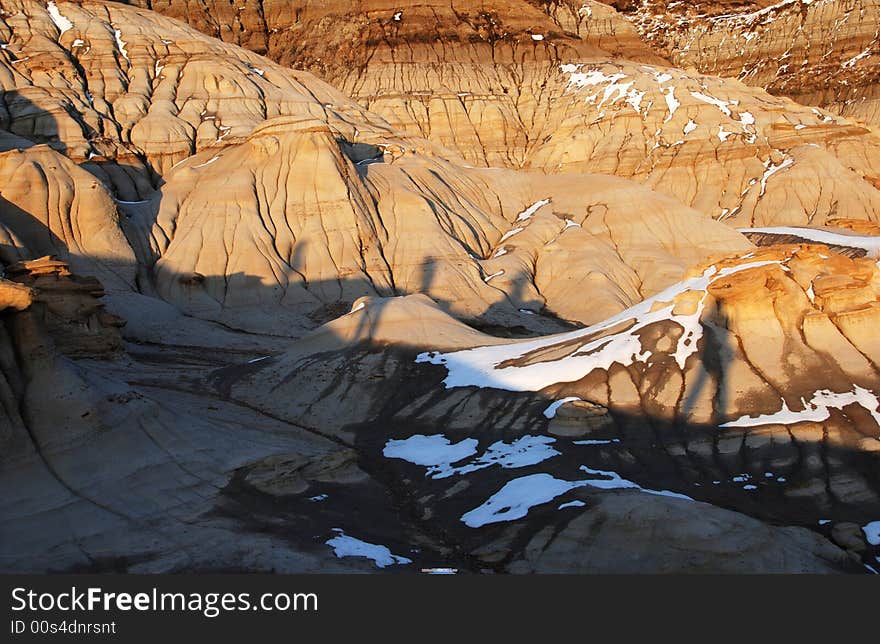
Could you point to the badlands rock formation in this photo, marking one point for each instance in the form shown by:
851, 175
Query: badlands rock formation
569, 87
818, 52
530, 294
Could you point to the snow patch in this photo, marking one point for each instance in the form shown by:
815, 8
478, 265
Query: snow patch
60, 21
723, 106
531, 210
852, 61
615, 482
772, 169
814, 411
671, 102
489, 278
870, 244
517, 497
120, 44
345, 546
550, 412
438, 455
510, 233
208, 162
480, 366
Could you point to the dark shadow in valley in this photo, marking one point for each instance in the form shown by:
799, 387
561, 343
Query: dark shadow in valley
395, 398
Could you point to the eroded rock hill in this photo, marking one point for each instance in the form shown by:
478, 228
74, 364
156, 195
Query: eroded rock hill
817, 52
311, 291
569, 87
756, 374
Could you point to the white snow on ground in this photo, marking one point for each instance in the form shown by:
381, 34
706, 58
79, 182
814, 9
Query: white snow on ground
480, 366
537, 36
437, 454
723, 106
614, 89
672, 103
500, 253
852, 61
814, 411
872, 533
747, 121
870, 244
517, 497
771, 170
60, 21
318, 498
749, 18
661, 77
550, 412
572, 504
615, 482
208, 162
531, 210
258, 359
690, 126
634, 99
120, 44
345, 546
510, 233
488, 278
723, 134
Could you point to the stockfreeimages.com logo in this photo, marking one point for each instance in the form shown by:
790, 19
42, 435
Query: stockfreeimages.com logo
208, 604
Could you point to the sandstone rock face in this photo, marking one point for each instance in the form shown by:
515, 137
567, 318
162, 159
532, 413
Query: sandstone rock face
128, 94
71, 308
583, 94
488, 245
749, 371
821, 53
532, 293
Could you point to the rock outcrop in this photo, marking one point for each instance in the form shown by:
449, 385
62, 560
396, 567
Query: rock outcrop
525, 294
568, 87
71, 309
817, 52
749, 385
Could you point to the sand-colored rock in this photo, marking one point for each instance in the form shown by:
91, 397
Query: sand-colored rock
318, 287
759, 351
71, 308
128, 93
818, 53
588, 96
